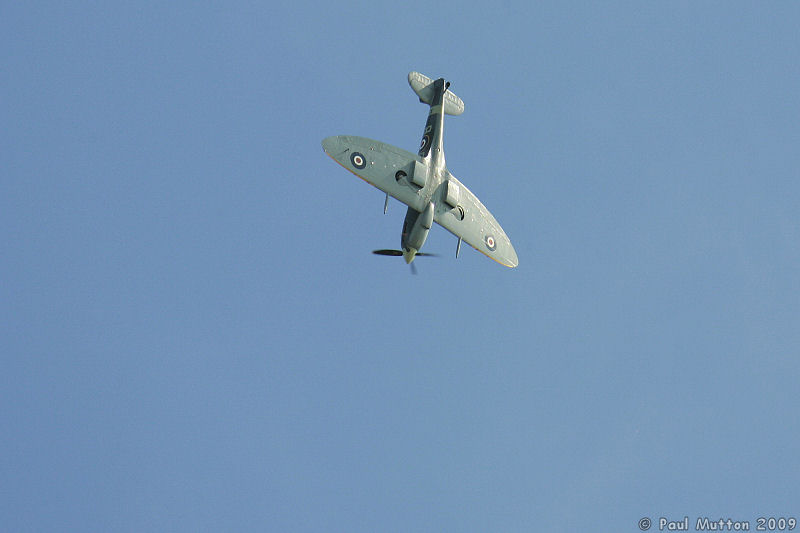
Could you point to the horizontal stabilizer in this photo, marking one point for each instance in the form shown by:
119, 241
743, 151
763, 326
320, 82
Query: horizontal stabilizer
423, 86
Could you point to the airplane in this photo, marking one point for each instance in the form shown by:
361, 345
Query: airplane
424, 183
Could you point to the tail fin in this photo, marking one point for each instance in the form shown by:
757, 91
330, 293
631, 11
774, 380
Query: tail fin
423, 86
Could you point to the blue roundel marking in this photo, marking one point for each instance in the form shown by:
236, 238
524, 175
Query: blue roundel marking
358, 160
490, 243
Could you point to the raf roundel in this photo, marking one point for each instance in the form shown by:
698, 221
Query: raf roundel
358, 161
426, 141
490, 244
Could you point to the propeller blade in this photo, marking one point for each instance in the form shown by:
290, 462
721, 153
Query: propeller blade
393, 253
399, 253
413, 268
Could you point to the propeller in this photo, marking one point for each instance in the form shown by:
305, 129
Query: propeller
399, 253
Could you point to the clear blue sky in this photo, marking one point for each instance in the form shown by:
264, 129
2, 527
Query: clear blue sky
195, 336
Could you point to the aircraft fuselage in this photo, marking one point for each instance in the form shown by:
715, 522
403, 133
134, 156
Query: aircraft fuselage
417, 225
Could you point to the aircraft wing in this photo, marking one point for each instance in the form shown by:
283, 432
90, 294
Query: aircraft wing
382, 165
394, 170
476, 226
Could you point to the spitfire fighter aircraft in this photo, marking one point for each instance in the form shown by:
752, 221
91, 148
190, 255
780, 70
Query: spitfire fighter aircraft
423, 183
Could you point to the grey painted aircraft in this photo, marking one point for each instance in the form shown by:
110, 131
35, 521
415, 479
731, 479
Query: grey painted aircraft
423, 183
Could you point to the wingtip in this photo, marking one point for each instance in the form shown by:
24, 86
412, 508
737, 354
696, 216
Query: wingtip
511, 264
326, 143
514, 263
